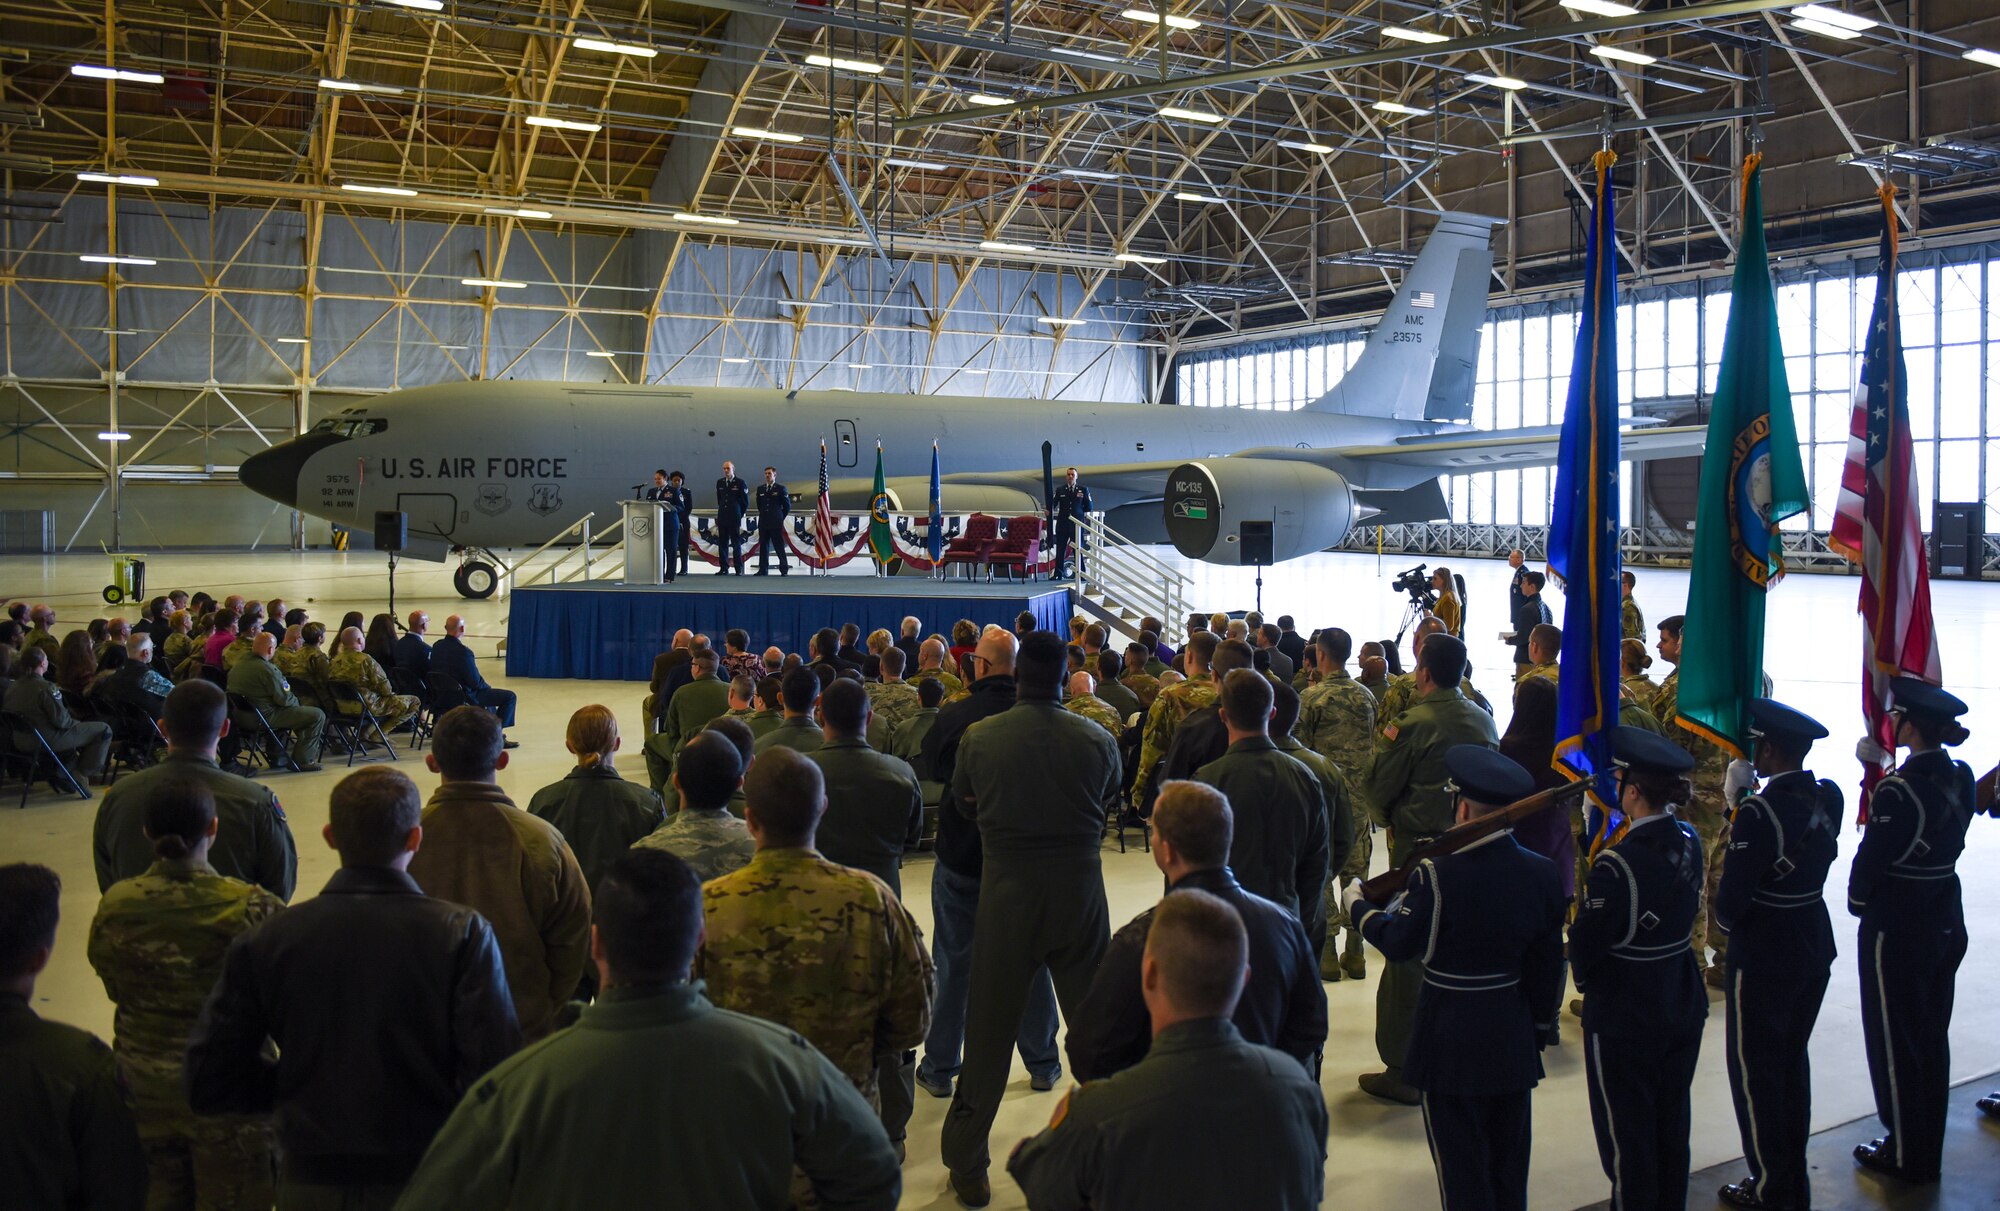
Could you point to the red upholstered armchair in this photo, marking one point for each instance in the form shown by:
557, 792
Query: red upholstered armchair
1021, 548
973, 543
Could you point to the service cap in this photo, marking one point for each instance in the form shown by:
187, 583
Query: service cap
1484, 776
1635, 748
1924, 700
1794, 730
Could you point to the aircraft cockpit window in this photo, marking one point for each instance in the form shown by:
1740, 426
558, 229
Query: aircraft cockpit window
348, 426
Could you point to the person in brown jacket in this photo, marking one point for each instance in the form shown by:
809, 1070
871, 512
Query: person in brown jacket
483, 851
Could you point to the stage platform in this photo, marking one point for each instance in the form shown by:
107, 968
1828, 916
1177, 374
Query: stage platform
608, 631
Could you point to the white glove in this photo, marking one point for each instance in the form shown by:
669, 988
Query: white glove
1868, 752
1349, 897
1739, 781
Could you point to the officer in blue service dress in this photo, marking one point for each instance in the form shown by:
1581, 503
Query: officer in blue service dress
774, 504
732, 500
1486, 922
1770, 903
681, 499
670, 521
1071, 502
1904, 887
1643, 999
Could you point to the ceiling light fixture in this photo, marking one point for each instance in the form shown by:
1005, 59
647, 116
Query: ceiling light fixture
922, 165
1139, 258
1600, 8
94, 72
1825, 30
1510, 83
1826, 14
391, 191
971, 370
518, 212
114, 435
589, 128
714, 220
492, 283
614, 48
989, 99
861, 65
1397, 107
1305, 145
429, 6
294, 340
106, 258
1003, 246
1406, 34
1152, 18
1089, 174
758, 132
1060, 321
598, 353
860, 366
1188, 115
116, 178
1190, 196
1985, 58
735, 361
355, 86
1622, 55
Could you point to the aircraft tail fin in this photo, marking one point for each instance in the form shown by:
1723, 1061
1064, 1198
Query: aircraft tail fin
1422, 358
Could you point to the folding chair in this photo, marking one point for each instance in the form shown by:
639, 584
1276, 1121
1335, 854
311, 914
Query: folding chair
341, 732
42, 750
447, 693
265, 732
404, 681
134, 736
358, 728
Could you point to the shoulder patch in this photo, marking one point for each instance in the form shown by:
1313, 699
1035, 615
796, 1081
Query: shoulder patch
1062, 1109
1390, 732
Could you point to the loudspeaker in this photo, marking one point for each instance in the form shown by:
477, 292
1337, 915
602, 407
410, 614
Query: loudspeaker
1254, 543
392, 529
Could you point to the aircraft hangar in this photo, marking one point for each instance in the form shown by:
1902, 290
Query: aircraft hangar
229, 226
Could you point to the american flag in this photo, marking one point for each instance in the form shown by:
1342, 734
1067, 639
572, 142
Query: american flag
823, 514
1876, 524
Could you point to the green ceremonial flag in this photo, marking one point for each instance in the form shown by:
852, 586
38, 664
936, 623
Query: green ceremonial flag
1751, 479
880, 540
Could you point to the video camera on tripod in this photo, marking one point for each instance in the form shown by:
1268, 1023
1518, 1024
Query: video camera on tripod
1417, 583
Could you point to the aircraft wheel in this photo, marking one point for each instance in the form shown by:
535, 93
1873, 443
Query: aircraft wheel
475, 580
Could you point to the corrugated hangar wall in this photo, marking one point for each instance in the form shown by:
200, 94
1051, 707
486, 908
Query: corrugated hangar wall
236, 337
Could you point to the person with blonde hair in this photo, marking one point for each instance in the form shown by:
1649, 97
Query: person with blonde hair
596, 810
352, 666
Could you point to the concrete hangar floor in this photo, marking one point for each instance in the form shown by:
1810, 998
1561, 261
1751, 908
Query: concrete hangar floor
1378, 1156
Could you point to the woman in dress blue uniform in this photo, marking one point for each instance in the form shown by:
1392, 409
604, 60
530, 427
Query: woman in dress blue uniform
1904, 888
1643, 1000
1771, 903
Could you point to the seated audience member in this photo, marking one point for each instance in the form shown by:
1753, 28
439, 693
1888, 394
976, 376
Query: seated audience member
742, 698
908, 740
253, 840
157, 943
703, 833
1108, 667
109, 661
737, 660
774, 661
76, 665
352, 666
221, 633
482, 851
702, 698
450, 656
798, 731
871, 663
1130, 1142
930, 666
1083, 700
849, 652
1283, 1003
82, 745
274, 617
413, 654
891, 700
380, 643
249, 625
177, 643
907, 640
770, 704
654, 1047
738, 733
153, 620
654, 704
291, 648
116, 633
596, 810
312, 661
259, 681
359, 1082
135, 683
70, 1139
353, 618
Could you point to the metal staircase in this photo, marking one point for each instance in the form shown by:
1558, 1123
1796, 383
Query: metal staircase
1118, 581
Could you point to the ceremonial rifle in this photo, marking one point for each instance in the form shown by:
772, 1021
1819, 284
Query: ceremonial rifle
1383, 887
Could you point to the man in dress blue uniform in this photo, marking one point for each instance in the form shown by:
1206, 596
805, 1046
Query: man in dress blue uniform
1904, 887
732, 500
1643, 1000
1071, 502
1486, 923
774, 504
681, 499
450, 655
670, 521
1770, 903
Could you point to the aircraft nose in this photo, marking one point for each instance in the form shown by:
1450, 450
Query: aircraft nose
274, 473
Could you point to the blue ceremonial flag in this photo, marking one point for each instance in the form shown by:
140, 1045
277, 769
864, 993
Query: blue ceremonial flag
935, 538
1583, 541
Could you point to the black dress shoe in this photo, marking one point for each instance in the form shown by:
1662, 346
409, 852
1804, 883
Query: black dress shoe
972, 1189
1990, 1104
1744, 1194
1880, 1156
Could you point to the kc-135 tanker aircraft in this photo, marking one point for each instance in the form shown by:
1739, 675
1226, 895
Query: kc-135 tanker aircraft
487, 465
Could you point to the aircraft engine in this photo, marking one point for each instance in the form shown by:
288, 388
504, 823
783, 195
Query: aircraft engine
1209, 503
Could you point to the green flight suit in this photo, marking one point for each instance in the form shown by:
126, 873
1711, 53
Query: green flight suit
157, 943
1404, 788
253, 840
1344, 826
763, 723
874, 808
260, 681
81, 744
799, 734
600, 814
731, 1105
1281, 849
70, 1138
691, 709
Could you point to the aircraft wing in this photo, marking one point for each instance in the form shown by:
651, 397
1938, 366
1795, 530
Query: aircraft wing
1448, 453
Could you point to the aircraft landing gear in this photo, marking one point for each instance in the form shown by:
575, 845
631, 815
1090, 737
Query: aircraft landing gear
476, 578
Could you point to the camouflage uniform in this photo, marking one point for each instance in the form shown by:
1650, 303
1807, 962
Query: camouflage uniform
158, 943
290, 662
1175, 703
1337, 721
1632, 623
953, 687
1640, 688
238, 648
891, 702
1706, 814
359, 670
1145, 685
1547, 672
713, 842
825, 950
1400, 691
1098, 711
